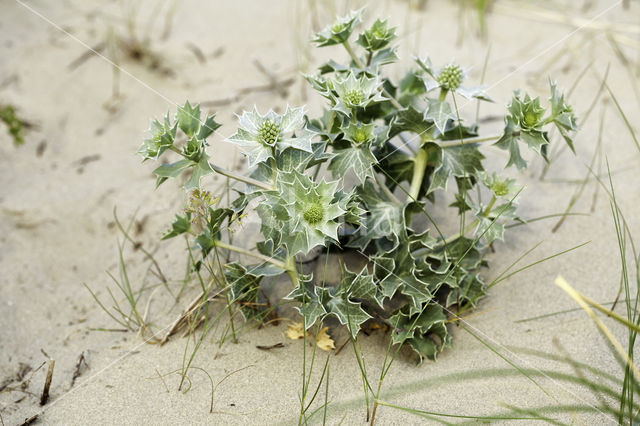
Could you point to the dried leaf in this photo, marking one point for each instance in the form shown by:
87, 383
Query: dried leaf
323, 340
296, 331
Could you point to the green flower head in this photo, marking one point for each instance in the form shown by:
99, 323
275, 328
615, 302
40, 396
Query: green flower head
501, 187
378, 36
359, 133
310, 215
356, 92
260, 135
162, 137
339, 31
527, 112
450, 77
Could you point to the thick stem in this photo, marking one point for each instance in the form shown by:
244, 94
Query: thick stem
419, 168
262, 257
454, 143
292, 272
386, 191
490, 206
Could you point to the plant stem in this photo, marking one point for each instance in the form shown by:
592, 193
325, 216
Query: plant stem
241, 178
386, 191
419, 167
454, 143
292, 272
359, 63
230, 174
490, 206
240, 250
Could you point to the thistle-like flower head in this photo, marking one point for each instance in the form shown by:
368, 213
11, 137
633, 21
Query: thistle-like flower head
501, 187
450, 77
378, 36
359, 133
305, 212
527, 112
258, 136
161, 138
339, 31
353, 92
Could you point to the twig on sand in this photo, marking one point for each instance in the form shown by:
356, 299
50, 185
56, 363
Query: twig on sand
47, 382
30, 420
188, 312
78, 370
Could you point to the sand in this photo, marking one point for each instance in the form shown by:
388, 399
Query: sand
59, 190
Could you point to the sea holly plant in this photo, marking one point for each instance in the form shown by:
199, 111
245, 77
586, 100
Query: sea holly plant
364, 176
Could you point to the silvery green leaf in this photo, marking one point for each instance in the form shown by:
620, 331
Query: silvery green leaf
509, 142
460, 161
397, 272
563, 116
489, 229
439, 112
406, 326
476, 92
180, 225
429, 84
384, 219
358, 158
534, 139
208, 127
349, 313
332, 66
360, 286
384, 57
188, 119
172, 170
412, 120
244, 288
425, 65
301, 141
200, 170
292, 119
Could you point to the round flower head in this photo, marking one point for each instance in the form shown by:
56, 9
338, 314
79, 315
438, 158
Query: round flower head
450, 77
311, 212
356, 92
259, 135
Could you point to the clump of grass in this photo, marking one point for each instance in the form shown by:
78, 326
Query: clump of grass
15, 125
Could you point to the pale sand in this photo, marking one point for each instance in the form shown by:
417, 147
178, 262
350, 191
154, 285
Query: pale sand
55, 232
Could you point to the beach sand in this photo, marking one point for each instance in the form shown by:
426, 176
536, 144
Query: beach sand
58, 193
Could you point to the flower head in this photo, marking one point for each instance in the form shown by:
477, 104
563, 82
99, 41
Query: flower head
304, 212
339, 31
527, 112
260, 135
501, 187
162, 137
378, 36
353, 92
450, 77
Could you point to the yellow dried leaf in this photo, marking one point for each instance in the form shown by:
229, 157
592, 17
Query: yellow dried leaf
295, 331
323, 340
